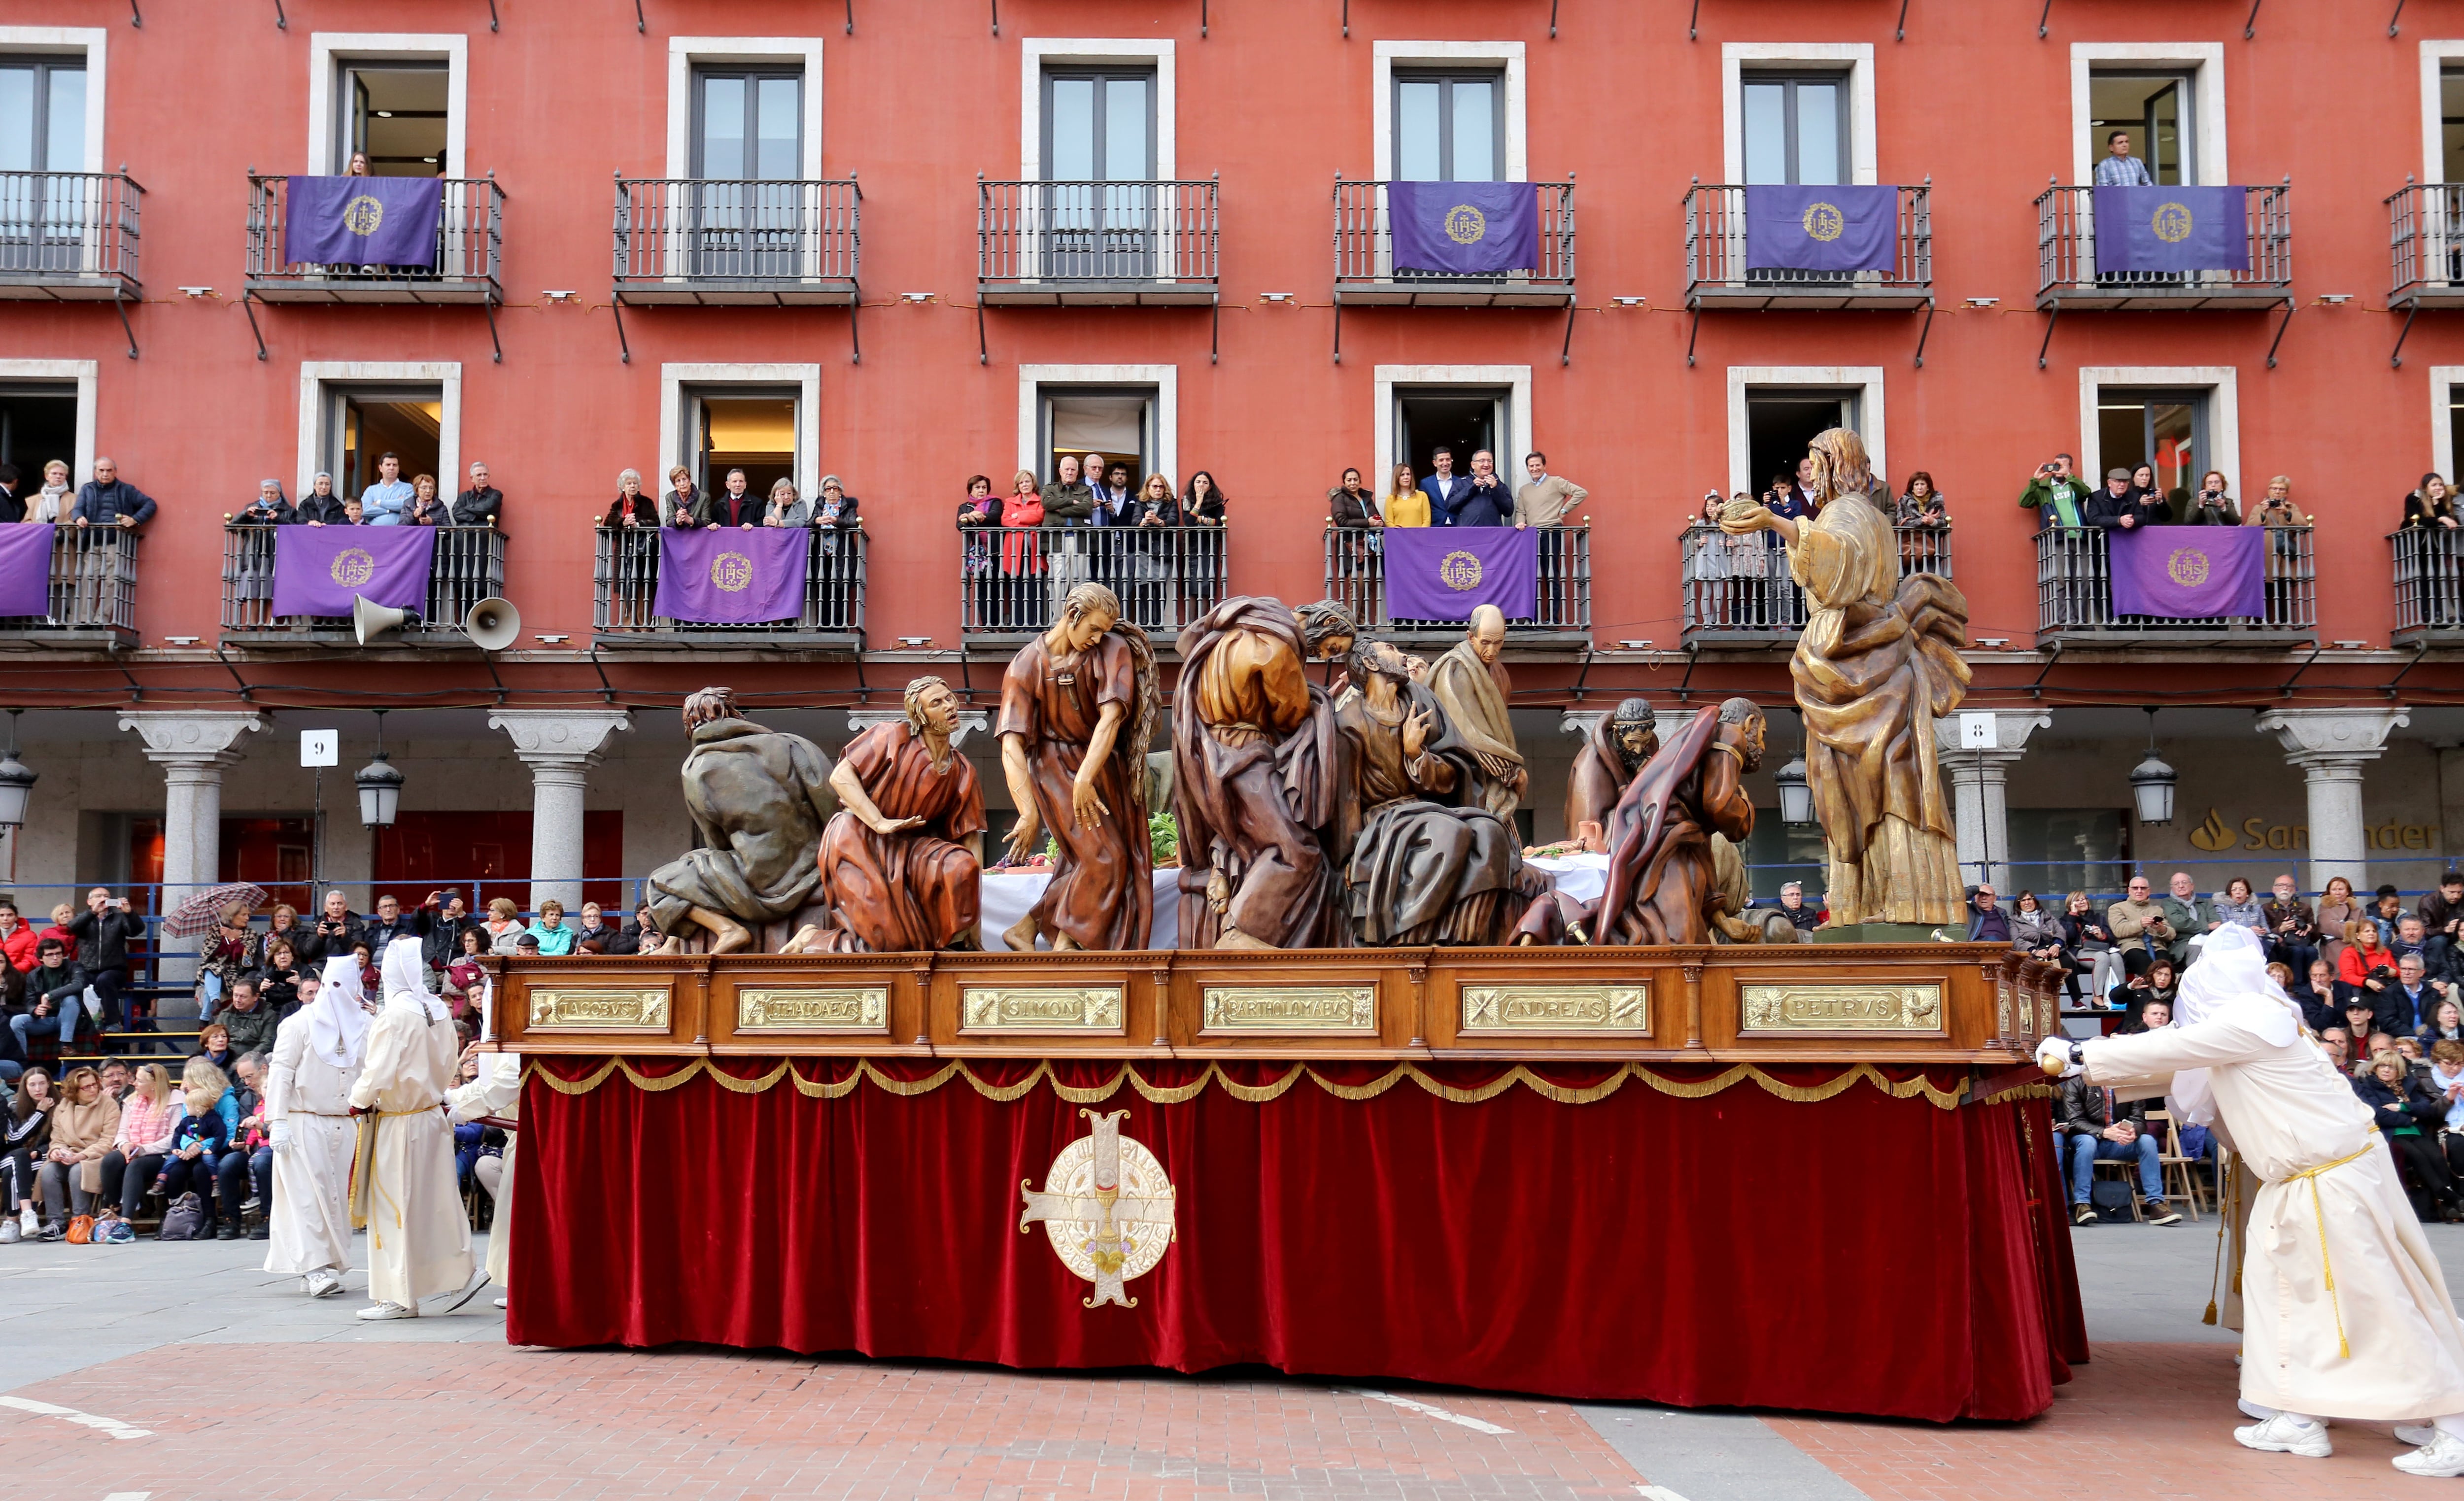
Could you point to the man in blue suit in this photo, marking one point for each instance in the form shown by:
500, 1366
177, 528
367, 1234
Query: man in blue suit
1489, 501
1445, 489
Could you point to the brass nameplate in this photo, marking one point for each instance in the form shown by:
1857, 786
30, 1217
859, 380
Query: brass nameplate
598, 1010
1310, 1010
1843, 1008
1089, 1008
852, 1008
1556, 1010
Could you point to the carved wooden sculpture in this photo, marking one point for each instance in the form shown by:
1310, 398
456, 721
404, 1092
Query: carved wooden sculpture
1615, 750
1667, 884
758, 799
902, 863
1473, 687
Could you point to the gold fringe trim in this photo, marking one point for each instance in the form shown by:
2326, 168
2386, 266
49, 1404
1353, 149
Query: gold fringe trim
1917, 1088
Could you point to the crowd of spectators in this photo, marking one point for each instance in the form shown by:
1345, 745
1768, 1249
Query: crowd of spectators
2131, 498
104, 500
1480, 497
390, 501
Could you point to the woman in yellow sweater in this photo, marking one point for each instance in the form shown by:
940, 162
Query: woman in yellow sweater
1406, 503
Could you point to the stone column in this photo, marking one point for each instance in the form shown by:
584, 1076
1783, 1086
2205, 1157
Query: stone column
2331, 746
1979, 780
560, 746
192, 746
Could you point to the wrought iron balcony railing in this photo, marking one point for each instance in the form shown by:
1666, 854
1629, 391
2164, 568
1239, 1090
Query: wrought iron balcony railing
2066, 274
469, 566
69, 236
470, 241
1012, 579
1355, 579
1087, 242
2429, 584
624, 591
722, 242
2075, 595
1738, 588
1717, 274
93, 590
1364, 258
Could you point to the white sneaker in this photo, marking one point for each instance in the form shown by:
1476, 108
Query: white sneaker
447, 1302
2442, 1456
500, 1303
28, 1225
389, 1310
8, 1232
323, 1284
2419, 1435
2282, 1434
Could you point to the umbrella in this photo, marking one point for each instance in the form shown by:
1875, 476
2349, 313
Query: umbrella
203, 911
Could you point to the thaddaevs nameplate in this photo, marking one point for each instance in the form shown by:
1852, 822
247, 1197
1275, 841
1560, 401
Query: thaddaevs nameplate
1817, 1006
1043, 1008
599, 1009
1556, 1010
852, 1009
1288, 1010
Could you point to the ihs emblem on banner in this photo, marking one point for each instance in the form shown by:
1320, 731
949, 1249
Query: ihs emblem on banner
1107, 1206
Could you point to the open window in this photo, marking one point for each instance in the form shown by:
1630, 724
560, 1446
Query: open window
363, 423
38, 423
397, 111
1782, 421
2166, 428
2156, 110
748, 428
1115, 424
1463, 420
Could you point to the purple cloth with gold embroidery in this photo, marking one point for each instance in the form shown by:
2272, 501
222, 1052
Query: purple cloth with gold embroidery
2189, 572
1445, 572
25, 569
1464, 229
729, 576
316, 569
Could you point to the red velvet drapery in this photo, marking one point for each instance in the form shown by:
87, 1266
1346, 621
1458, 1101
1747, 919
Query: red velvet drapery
1857, 1253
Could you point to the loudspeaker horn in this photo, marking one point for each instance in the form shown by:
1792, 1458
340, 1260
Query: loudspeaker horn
492, 623
370, 620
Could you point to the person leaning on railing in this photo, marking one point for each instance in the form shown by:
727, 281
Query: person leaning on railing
481, 505
836, 507
109, 500
1202, 501
1923, 505
631, 507
682, 506
2430, 504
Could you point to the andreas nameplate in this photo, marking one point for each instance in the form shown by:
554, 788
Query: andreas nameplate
1843, 1008
852, 1008
601, 1010
1063, 1009
1288, 1011
1556, 1010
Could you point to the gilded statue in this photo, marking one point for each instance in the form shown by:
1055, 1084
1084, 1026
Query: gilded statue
1876, 664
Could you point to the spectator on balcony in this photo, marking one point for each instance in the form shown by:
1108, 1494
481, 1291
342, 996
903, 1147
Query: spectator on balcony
13, 497
1068, 501
2144, 487
2432, 504
731, 506
785, 509
2054, 494
354, 514
1445, 489
483, 504
1021, 555
270, 508
1405, 503
51, 504
320, 506
1544, 499
980, 556
682, 504
631, 507
1202, 503
2277, 508
388, 501
1490, 501
426, 510
1157, 505
109, 500
1350, 505
837, 507
2120, 169
2119, 507
2214, 505
1922, 506
1114, 504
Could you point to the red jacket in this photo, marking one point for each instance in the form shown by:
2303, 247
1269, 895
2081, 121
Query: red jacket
19, 946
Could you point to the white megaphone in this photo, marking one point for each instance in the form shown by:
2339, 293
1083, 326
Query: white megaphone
492, 623
370, 620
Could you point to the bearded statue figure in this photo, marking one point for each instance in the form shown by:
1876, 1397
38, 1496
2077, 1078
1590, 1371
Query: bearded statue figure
1613, 752
1876, 664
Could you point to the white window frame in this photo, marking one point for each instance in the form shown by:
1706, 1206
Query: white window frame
1739, 59
327, 51
66, 41
1518, 417
2434, 57
1871, 426
2221, 383
684, 51
1388, 56
1139, 52
805, 378
2205, 61
1165, 379
2442, 378
314, 375
86, 374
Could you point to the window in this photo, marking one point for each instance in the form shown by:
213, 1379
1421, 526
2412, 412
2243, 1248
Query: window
1795, 128
38, 423
363, 423
1100, 212
2455, 429
1780, 424
2156, 110
42, 114
2164, 429
2450, 124
398, 113
1116, 422
746, 427
2055, 851
748, 123
1449, 127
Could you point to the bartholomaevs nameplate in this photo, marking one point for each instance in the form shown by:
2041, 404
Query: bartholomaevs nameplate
1817, 1007
1288, 1010
854, 1009
599, 1009
1043, 1008
1559, 1010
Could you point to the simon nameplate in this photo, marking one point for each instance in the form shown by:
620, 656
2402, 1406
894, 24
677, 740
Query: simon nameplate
606, 1010
1063, 1009
1312, 1010
1843, 1008
851, 1008
1556, 1010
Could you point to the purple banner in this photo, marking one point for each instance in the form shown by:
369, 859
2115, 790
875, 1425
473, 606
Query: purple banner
1443, 573
316, 569
25, 569
1822, 228
2189, 572
363, 221
2171, 229
1467, 228
730, 576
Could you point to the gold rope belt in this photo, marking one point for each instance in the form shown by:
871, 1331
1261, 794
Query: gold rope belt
2327, 1268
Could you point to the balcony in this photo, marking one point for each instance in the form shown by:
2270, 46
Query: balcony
1717, 275
1364, 258
2067, 277
2075, 598
1739, 593
625, 589
468, 244
1012, 579
1355, 579
692, 243
2429, 586
469, 566
1096, 244
93, 603
69, 236
2425, 241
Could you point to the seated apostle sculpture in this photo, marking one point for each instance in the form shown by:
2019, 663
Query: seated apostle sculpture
1472, 687
1618, 745
902, 862
759, 799
1667, 881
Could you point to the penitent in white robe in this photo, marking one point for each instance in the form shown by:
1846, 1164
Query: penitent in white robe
419, 1238
2286, 1109
496, 1092
309, 1225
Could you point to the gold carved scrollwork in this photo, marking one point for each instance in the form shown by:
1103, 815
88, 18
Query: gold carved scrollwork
1061, 1008
1315, 1010
2002, 1006
598, 1010
1556, 1010
1843, 1008
851, 1008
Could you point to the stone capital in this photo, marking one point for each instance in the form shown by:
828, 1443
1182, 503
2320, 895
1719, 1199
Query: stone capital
192, 738
2012, 728
969, 720
2316, 740
553, 739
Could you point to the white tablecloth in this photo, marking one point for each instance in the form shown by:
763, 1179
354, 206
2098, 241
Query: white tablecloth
1008, 894
1581, 876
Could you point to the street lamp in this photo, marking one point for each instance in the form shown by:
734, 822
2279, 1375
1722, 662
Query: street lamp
16, 781
379, 785
1795, 792
2151, 782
